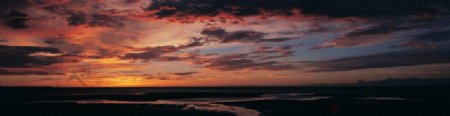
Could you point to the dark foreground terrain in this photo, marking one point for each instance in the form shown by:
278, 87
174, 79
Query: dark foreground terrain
333, 107
277, 101
73, 109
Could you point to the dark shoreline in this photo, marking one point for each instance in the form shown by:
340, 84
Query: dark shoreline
136, 94
343, 101
347, 107
73, 109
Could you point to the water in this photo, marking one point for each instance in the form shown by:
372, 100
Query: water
209, 104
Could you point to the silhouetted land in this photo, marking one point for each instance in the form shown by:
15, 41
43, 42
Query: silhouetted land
342, 101
348, 107
73, 109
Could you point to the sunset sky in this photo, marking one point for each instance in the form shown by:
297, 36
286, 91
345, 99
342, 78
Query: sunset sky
99, 43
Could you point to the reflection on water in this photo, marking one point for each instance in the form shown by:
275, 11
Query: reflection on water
213, 104
206, 106
295, 96
239, 111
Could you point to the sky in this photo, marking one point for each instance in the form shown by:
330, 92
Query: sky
163, 43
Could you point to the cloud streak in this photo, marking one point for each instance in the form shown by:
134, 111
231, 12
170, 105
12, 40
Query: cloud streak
382, 60
21, 56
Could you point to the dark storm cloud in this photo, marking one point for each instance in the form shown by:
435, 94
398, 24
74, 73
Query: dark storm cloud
185, 73
151, 53
382, 60
105, 20
29, 72
331, 8
221, 35
80, 18
431, 39
385, 16
236, 62
130, 1
158, 76
21, 56
282, 39
243, 36
373, 8
215, 32
12, 14
167, 76
386, 29
16, 20
348, 41
256, 60
404, 23
434, 36
382, 28
237, 36
240, 64
64, 45
156, 53
8, 5
267, 53
416, 44
76, 17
